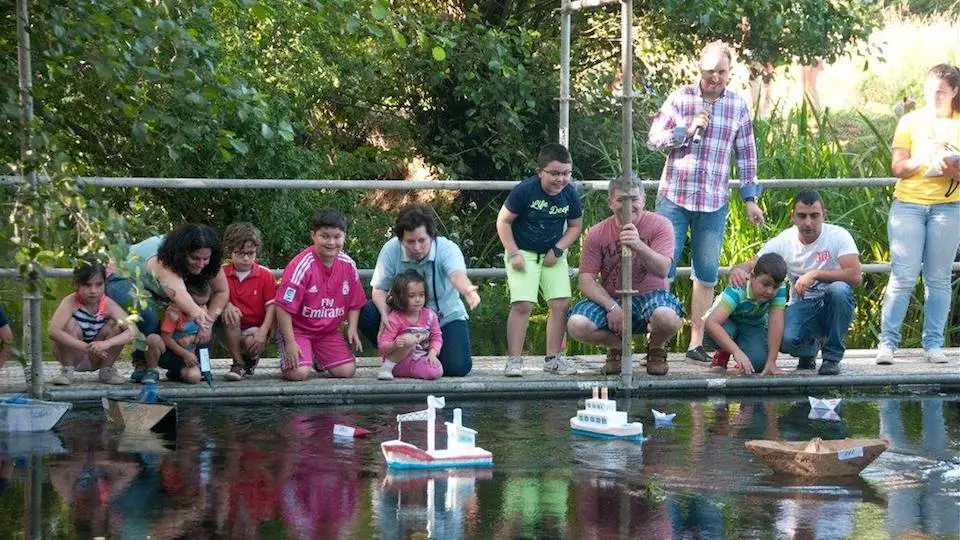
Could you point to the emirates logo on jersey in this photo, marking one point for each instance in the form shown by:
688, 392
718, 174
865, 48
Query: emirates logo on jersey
346, 288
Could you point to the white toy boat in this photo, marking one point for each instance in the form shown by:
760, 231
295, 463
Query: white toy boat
461, 449
601, 419
18, 414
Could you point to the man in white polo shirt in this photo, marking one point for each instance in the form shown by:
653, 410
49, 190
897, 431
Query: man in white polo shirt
823, 266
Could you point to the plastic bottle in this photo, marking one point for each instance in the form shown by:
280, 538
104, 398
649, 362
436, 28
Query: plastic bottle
148, 394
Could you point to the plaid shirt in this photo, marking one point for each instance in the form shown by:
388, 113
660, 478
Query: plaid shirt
696, 176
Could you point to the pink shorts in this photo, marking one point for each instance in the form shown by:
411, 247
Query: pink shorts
324, 351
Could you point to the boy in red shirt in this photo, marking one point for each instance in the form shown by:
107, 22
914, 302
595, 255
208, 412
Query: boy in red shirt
320, 289
249, 316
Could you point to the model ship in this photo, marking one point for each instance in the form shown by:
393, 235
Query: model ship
461, 450
600, 418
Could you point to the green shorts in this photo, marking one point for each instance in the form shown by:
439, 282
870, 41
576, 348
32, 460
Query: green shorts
553, 281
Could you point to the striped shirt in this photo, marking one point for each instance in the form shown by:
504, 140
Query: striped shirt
696, 175
90, 323
318, 297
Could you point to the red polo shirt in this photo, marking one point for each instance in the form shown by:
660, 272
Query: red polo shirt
252, 295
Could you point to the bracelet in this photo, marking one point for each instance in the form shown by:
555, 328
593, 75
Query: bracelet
613, 307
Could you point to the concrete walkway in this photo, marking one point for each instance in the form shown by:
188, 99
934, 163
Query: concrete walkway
686, 378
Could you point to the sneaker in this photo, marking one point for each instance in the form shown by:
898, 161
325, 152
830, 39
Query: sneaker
720, 360
560, 365
250, 364
150, 376
697, 354
514, 367
613, 364
657, 360
385, 373
935, 356
64, 378
829, 367
806, 363
884, 355
235, 373
109, 375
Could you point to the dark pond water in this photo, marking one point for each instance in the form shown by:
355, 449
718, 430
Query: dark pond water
276, 472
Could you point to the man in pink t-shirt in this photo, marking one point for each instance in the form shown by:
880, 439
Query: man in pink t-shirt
320, 288
598, 320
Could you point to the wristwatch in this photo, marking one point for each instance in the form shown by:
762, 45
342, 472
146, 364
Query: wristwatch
749, 199
557, 252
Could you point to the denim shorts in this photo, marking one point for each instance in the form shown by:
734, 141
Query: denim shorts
643, 308
706, 238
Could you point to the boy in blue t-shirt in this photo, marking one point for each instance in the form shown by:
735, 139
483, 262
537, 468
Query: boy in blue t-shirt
748, 322
531, 228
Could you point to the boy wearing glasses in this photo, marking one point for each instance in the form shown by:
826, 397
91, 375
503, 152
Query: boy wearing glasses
539, 221
248, 318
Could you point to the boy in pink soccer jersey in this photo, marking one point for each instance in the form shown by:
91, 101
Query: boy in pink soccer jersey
320, 288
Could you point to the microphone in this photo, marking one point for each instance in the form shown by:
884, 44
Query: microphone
697, 135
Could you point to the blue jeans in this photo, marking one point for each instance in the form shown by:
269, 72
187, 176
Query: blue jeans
706, 239
828, 318
922, 237
454, 353
750, 336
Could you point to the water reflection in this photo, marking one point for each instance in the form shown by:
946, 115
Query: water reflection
232, 472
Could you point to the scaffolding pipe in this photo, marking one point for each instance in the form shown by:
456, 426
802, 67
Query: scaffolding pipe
577, 5
563, 136
28, 176
626, 212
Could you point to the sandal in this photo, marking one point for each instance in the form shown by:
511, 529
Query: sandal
657, 361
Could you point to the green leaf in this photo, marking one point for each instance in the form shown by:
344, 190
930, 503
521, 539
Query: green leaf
439, 54
286, 130
239, 146
195, 99
380, 10
266, 132
140, 131
398, 38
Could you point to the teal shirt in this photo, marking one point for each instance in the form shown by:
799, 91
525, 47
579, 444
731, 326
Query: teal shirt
444, 258
137, 264
742, 307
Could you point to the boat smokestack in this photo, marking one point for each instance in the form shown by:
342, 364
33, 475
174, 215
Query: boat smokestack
603, 393
457, 417
596, 392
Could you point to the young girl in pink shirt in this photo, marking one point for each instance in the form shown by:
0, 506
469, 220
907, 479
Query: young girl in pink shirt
411, 340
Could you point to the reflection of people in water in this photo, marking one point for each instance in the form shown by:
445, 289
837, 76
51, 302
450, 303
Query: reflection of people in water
90, 482
318, 492
246, 490
608, 508
6, 473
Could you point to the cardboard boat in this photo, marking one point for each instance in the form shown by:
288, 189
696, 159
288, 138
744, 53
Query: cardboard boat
818, 458
18, 415
139, 416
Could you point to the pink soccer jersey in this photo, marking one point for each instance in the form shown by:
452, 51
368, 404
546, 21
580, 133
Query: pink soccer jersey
316, 296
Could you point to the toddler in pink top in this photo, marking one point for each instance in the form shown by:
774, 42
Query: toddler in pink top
411, 340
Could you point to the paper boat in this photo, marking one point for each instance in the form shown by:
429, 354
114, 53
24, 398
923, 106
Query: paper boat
139, 416
461, 450
842, 457
23, 414
823, 414
828, 404
600, 418
349, 431
662, 417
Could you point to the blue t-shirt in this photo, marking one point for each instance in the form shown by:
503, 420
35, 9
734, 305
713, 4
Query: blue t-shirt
444, 258
541, 217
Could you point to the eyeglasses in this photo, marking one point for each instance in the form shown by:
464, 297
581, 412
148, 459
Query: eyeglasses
559, 174
239, 254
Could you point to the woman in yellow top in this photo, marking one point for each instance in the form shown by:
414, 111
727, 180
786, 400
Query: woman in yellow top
924, 221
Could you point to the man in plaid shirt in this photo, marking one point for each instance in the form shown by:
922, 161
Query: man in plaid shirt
699, 125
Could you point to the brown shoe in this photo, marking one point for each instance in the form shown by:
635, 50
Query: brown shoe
613, 364
657, 361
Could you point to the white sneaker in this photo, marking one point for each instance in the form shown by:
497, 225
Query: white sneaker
560, 365
935, 356
514, 367
884, 355
108, 375
385, 373
64, 378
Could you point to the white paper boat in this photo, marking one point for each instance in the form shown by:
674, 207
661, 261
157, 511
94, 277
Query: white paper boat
600, 418
828, 404
662, 417
823, 414
24, 414
461, 450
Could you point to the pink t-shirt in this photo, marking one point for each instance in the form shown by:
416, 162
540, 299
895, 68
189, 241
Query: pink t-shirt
316, 296
601, 252
427, 330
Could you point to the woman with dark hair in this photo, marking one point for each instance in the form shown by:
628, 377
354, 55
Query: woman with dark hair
416, 246
160, 267
924, 221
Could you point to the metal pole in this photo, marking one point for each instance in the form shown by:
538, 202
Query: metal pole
35, 505
565, 15
31, 296
626, 215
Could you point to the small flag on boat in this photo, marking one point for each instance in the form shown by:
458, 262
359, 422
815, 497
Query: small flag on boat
346, 430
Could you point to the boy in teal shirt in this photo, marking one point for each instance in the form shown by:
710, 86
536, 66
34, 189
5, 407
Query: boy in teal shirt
747, 322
